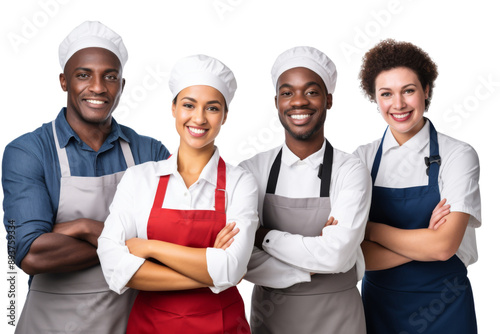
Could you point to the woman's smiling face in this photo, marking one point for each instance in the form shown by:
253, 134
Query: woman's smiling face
401, 101
199, 113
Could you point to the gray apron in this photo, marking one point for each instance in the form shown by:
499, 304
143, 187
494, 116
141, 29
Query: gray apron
80, 301
330, 303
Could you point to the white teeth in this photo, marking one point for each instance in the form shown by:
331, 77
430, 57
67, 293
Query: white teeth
301, 116
95, 101
400, 116
197, 131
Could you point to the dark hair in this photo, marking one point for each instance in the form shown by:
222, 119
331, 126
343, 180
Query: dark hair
389, 54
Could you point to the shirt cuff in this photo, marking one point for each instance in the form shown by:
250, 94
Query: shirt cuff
270, 240
129, 264
217, 269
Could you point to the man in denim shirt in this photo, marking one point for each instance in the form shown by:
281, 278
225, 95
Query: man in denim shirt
58, 182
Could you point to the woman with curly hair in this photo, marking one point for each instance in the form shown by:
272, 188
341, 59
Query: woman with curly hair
425, 205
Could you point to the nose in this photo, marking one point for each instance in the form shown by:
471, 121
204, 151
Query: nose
299, 100
97, 85
399, 101
198, 116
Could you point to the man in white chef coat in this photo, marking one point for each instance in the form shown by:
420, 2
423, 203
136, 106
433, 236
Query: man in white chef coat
313, 206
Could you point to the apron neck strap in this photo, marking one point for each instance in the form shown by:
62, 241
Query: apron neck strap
220, 189
325, 172
61, 154
433, 161
127, 153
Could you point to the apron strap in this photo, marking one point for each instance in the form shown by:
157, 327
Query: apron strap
433, 161
220, 189
325, 173
127, 153
273, 174
326, 170
160, 191
61, 154
378, 157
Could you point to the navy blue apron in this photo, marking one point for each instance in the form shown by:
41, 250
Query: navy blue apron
416, 297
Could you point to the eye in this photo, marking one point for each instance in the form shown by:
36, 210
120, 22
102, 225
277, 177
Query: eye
82, 76
111, 77
212, 108
409, 91
286, 93
385, 94
187, 105
312, 92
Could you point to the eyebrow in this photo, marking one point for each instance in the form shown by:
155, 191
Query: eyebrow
405, 86
194, 100
308, 84
86, 69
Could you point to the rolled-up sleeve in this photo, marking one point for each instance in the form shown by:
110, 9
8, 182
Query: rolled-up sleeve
265, 270
118, 265
28, 212
227, 267
336, 250
460, 183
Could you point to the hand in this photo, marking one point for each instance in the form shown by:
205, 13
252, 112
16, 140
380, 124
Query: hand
138, 247
225, 237
439, 214
331, 221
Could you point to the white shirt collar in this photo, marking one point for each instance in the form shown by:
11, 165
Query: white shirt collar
416, 143
314, 160
209, 172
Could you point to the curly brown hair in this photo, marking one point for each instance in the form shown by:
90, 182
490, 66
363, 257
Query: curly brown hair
389, 54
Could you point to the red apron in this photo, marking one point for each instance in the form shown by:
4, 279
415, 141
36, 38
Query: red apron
198, 311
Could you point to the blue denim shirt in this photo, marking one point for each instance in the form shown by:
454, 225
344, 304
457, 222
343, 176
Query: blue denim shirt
31, 174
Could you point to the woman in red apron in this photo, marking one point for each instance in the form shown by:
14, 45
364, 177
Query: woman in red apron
181, 230
425, 204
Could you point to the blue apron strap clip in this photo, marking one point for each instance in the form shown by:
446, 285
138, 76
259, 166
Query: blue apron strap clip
430, 160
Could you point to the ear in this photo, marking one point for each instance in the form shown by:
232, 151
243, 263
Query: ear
427, 92
329, 101
225, 116
276, 101
62, 81
123, 85
173, 109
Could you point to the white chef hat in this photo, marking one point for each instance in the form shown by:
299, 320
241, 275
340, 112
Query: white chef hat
308, 57
202, 70
92, 34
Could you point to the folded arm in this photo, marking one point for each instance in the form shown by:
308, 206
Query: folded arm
40, 245
378, 257
422, 244
334, 251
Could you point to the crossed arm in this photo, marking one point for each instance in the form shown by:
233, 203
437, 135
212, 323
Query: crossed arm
69, 247
386, 247
40, 245
183, 267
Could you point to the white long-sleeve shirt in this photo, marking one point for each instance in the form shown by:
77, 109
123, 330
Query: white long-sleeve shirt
129, 214
290, 258
404, 166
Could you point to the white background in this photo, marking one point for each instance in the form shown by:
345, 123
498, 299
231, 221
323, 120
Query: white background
247, 35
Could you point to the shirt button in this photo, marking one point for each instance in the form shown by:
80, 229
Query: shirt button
267, 241
185, 194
